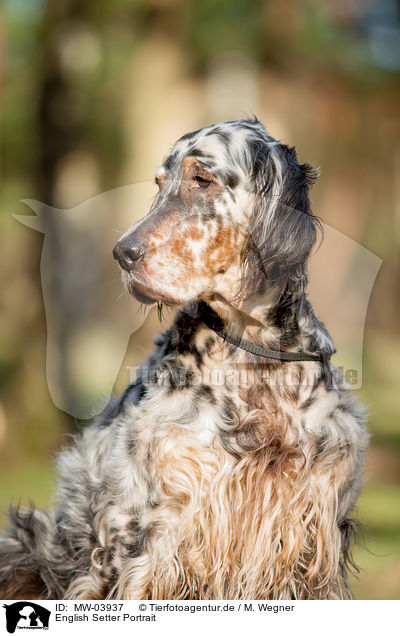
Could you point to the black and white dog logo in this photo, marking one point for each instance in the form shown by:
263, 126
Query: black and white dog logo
26, 615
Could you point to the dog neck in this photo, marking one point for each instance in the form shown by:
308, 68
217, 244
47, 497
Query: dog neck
262, 321
290, 326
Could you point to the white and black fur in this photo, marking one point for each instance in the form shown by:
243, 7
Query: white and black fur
190, 487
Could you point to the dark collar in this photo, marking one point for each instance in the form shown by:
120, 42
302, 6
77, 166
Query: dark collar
285, 356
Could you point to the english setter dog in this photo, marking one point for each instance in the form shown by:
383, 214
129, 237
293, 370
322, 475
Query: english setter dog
228, 470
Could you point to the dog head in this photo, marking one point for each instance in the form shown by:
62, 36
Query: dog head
232, 221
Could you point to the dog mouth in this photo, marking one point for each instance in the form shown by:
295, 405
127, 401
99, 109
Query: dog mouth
146, 300
139, 291
146, 294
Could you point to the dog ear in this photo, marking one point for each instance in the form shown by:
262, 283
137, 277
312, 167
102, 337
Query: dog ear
282, 229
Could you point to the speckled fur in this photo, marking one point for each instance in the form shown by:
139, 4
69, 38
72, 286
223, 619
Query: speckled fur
216, 474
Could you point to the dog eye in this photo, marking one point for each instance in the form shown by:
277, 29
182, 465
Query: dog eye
157, 181
200, 182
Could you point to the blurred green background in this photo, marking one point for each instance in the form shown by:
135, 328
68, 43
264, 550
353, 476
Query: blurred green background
92, 95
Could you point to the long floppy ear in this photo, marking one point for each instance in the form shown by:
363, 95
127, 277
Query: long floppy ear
282, 229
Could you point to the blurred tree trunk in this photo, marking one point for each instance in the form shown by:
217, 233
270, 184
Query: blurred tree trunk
61, 130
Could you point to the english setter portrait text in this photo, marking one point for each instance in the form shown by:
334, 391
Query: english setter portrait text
229, 469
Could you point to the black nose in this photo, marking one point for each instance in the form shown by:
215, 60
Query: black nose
127, 252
